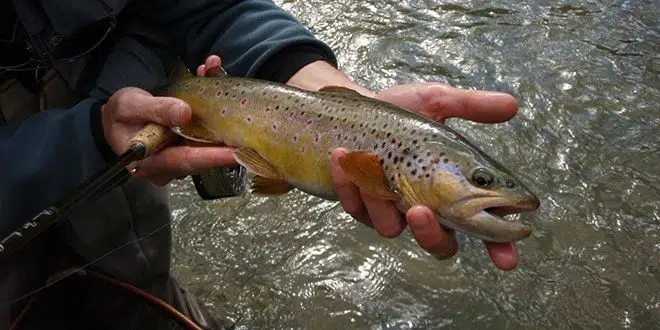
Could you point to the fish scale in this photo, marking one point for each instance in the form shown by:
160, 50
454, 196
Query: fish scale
309, 127
286, 135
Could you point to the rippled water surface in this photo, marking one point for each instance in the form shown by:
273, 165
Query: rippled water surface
586, 139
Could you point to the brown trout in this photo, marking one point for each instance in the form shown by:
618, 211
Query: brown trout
284, 136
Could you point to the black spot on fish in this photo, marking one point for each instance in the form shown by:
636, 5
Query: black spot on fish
414, 156
296, 101
414, 172
364, 134
396, 160
382, 161
406, 151
393, 141
389, 155
373, 131
423, 168
408, 164
414, 142
302, 113
383, 145
421, 160
385, 125
425, 139
375, 147
445, 160
392, 178
428, 154
277, 107
318, 116
427, 175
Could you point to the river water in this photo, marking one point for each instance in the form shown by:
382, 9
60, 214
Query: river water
586, 139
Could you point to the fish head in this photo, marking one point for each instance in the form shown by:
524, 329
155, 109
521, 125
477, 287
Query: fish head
470, 192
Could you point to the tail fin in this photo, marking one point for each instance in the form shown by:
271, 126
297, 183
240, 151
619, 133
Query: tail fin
179, 71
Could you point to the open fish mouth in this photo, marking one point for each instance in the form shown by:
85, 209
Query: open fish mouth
484, 217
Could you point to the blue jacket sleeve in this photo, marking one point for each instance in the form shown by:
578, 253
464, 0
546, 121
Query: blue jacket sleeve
43, 158
245, 34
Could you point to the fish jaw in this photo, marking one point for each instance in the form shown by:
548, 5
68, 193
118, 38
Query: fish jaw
482, 217
463, 207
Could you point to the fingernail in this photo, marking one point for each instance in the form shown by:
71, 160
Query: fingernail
180, 112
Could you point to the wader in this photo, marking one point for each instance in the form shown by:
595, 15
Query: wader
132, 221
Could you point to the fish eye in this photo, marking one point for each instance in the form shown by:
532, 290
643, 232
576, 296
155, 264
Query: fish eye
482, 178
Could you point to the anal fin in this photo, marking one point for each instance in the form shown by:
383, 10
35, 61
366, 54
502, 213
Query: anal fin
267, 186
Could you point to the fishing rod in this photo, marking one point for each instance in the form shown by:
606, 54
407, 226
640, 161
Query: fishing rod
149, 140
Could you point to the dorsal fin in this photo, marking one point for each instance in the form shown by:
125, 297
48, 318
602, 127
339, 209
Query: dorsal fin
339, 89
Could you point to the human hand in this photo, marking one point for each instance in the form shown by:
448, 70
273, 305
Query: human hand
437, 101
130, 109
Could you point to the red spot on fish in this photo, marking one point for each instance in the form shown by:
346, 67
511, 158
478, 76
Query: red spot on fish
244, 101
274, 127
219, 93
267, 109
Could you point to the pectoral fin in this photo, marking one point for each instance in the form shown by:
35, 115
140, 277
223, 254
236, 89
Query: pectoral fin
196, 131
364, 169
251, 160
267, 186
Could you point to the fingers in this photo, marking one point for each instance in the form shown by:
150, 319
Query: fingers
376, 213
440, 101
134, 105
347, 193
428, 233
211, 67
385, 218
180, 161
479, 106
503, 255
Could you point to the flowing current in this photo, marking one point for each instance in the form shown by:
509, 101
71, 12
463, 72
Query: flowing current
586, 140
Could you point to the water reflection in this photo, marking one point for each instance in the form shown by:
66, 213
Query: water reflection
587, 136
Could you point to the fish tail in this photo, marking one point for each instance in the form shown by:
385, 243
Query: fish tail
179, 71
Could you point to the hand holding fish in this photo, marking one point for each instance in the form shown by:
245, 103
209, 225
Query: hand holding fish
436, 101
126, 113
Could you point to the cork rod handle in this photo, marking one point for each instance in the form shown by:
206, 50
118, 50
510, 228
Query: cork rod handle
154, 137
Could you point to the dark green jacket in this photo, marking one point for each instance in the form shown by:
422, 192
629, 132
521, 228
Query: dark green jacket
47, 154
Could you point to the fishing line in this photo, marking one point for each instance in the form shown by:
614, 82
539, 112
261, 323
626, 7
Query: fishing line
71, 271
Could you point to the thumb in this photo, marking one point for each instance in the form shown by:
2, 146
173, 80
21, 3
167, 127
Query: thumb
138, 106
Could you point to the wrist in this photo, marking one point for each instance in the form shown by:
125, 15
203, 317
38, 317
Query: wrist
319, 74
